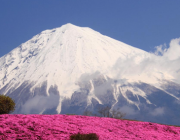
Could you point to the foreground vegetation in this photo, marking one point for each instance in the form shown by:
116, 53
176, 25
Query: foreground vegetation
59, 126
7, 105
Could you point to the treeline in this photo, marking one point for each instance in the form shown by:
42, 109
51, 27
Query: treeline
105, 112
7, 105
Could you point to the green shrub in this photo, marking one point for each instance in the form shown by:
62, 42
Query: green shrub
90, 136
7, 105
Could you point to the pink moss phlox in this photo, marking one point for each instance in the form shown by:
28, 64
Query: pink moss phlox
51, 127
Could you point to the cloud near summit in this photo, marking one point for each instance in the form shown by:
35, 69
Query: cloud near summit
171, 58
173, 52
164, 63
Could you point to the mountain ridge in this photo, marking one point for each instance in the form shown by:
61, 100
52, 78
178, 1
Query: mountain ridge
72, 68
41, 41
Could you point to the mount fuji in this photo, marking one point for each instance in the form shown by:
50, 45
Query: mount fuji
72, 69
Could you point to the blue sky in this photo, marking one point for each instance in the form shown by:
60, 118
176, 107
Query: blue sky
140, 23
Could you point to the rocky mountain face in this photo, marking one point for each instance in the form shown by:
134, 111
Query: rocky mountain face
73, 69
139, 100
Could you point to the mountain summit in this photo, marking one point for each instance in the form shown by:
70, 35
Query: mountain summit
72, 68
60, 56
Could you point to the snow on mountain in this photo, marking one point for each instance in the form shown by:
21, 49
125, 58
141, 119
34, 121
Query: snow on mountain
60, 56
68, 51
65, 61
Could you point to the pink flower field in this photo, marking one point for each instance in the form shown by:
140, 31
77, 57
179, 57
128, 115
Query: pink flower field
60, 127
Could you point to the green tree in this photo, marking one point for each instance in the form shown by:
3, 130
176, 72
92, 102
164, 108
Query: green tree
7, 105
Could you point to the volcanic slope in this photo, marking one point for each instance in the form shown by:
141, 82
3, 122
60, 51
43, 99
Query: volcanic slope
69, 64
59, 56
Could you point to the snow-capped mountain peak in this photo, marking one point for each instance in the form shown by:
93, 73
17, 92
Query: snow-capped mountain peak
61, 55
72, 68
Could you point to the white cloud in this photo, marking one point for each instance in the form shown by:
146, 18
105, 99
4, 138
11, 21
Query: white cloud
173, 52
39, 103
164, 63
128, 110
158, 111
160, 50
